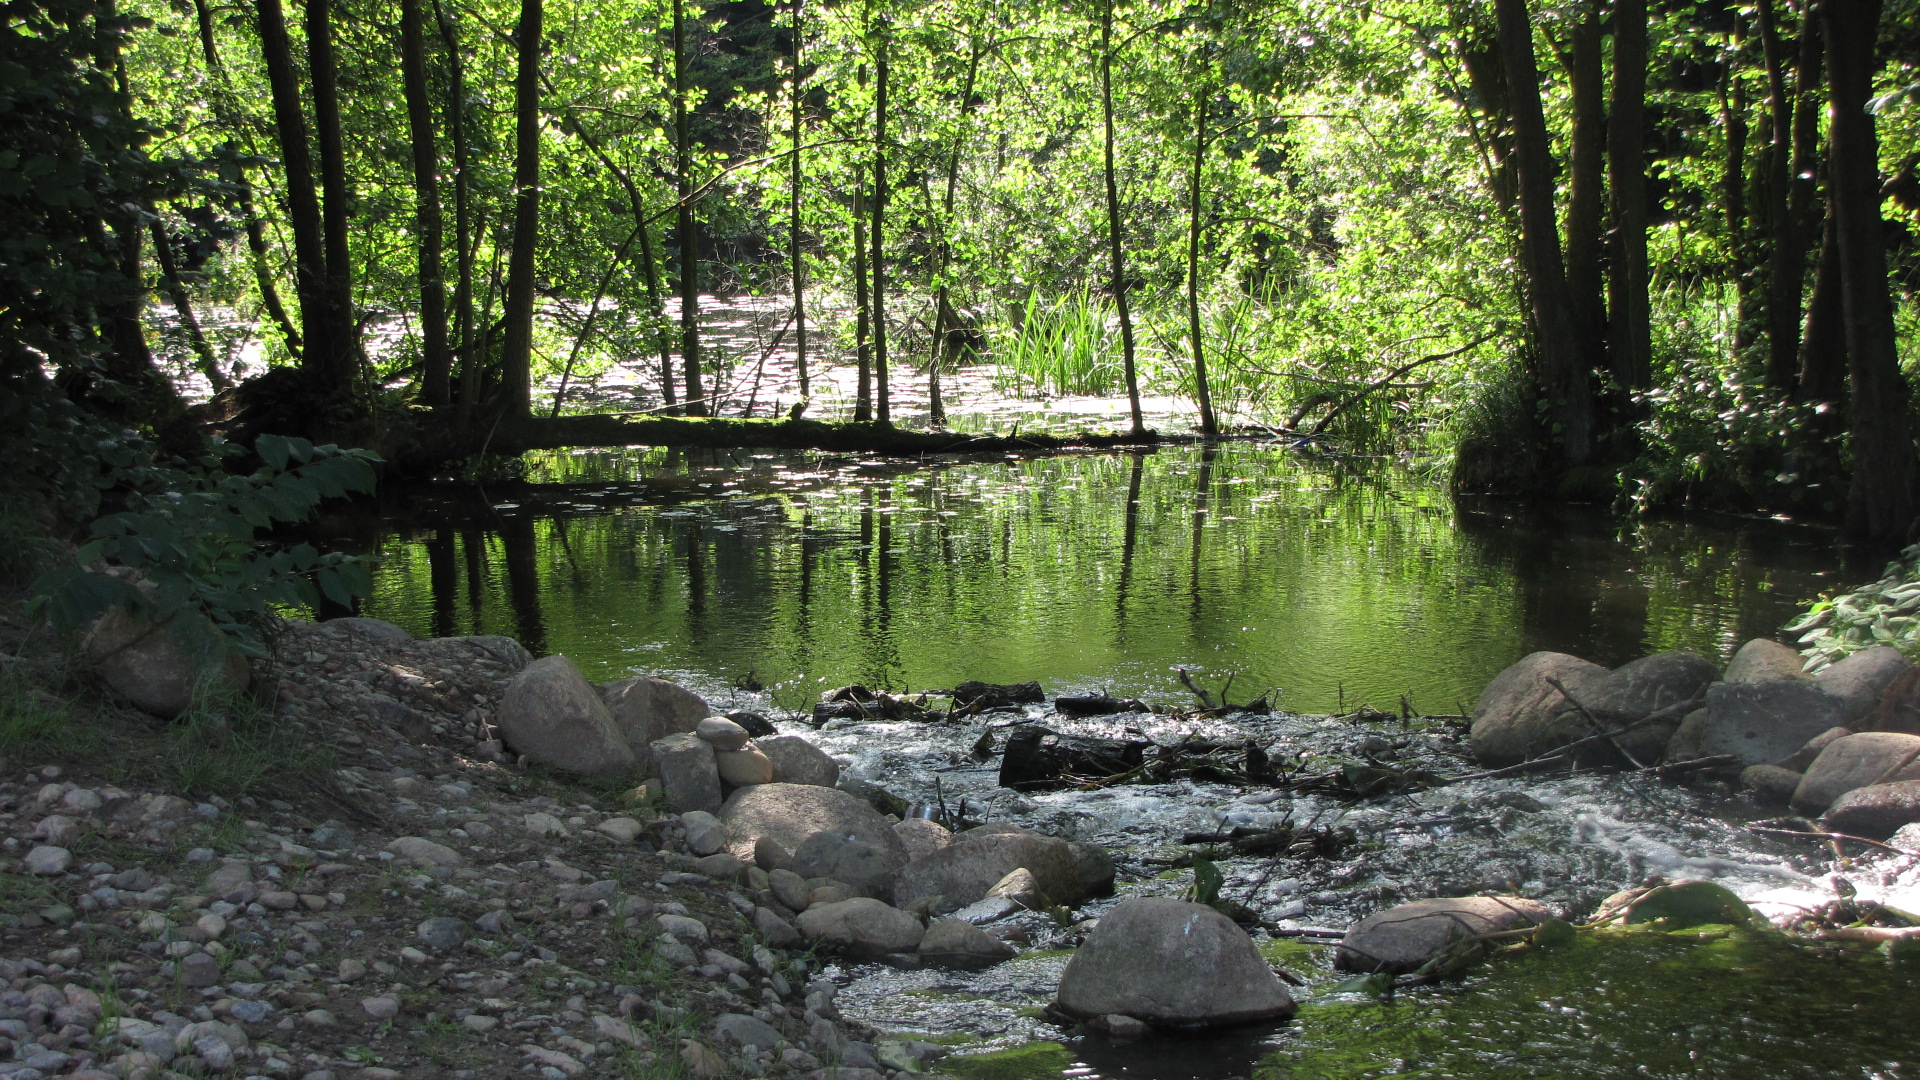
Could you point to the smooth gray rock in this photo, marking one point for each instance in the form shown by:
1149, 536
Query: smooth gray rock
1770, 785
1861, 679
797, 761
1856, 761
969, 868
789, 888
744, 766
862, 926
922, 837
1519, 716
46, 860
956, 943
1404, 938
705, 834
1623, 699
815, 832
1174, 964
689, 775
723, 733
444, 933
1876, 811
1762, 723
646, 710
1765, 660
552, 714
199, 971
779, 932
742, 1030
1800, 759
159, 667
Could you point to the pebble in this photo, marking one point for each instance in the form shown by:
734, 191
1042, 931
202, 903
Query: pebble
199, 970
47, 860
251, 1012
382, 1007
443, 933
352, 970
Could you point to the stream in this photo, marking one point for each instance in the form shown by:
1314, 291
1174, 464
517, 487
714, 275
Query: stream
762, 579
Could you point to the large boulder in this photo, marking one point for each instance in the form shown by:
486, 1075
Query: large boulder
815, 832
379, 631
1757, 723
552, 714
158, 666
1174, 964
1899, 708
1519, 715
1764, 660
1623, 699
967, 869
1856, 761
646, 710
689, 774
797, 761
1405, 938
1876, 811
862, 926
1861, 679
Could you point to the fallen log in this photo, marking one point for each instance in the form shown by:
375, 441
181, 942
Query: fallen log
1037, 758
1097, 705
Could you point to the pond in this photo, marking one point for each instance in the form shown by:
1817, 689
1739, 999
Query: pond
1321, 582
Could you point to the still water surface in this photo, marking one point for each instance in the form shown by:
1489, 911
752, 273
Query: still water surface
1327, 584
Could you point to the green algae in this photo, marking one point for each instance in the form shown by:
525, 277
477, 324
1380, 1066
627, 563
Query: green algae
1033, 1061
1711, 1001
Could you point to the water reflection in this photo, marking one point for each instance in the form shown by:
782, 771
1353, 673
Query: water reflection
1083, 571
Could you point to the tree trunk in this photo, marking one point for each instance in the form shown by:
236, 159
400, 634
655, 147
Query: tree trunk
1562, 375
338, 368
881, 65
1880, 503
1733, 192
1786, 263
863, 392
1823, 344
793, 210
1208, 425
1116, 244
516, 343
1629, 334
1586, 200
322, 343
686, 229
436, 354
207, 363
464, 241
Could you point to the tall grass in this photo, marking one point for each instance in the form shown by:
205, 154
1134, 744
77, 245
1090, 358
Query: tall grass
1069, 344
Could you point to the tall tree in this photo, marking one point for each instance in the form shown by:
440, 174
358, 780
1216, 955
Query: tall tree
1629, 330
882, 65
794, 172
1202, 90
436, 352
1880, 501
687, 228
516, 344
1116, 237
1563, 374
339, 369
1586, 182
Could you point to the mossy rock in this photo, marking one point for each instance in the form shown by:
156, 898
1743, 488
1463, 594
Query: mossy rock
1033, 1061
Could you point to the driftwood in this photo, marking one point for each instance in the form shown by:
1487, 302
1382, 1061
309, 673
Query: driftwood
859, 703
978, 697
1037, 758
1097, 705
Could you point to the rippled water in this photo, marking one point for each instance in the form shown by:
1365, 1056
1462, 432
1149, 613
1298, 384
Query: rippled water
1327, 583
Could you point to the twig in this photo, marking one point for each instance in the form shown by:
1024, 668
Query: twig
1820, 836
1595, 723
1186, 680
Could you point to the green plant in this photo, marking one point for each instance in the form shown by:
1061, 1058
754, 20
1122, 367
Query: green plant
1886, 612
1070, 345
188, 533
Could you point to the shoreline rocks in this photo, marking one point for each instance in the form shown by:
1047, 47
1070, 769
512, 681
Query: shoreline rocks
1171, 963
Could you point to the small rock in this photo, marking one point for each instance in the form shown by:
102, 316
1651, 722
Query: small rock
723, 733
688, 773
318, 1018
250, 1012
742, 1030
477, 1022
47, 860
198, 971
58, 830
744, 766
623, 829
1770, 785
862, 926
956, 943
1121, 1028
688, 930
423, 852
444, 933
352, 970
542, 824
1022, 888
705, 834
702, 1062
779, 932
381, 1007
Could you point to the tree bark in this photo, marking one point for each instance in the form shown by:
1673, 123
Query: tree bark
436, 353
1116, 243
1880, 503
793, 209
1586, 199
516, 343
1733, 192
1785, 262
881, 66
862, 357
1208, 425
1823, 343
1563, 376
205, 361
322, 341
686, 228
470, 355
1629, 334
337, 369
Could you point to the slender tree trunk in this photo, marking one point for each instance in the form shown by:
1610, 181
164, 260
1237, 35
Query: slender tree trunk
338, 370
1116, 243
207, 363
1785, 258
1823, 343
1209, 426
1629, 332
323, 344
1880, 504
1805, 216
881, 65
943, 321
1562, 373
863, 392
516, 342
688, 236
1586, 200
1733, 183
793, 210
436, 352
464, 239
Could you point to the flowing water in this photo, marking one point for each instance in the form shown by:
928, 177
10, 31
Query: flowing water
759, 579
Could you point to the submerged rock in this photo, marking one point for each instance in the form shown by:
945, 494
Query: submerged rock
1519, 715
1174, 964
815, 832
552, 714
1405, 938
